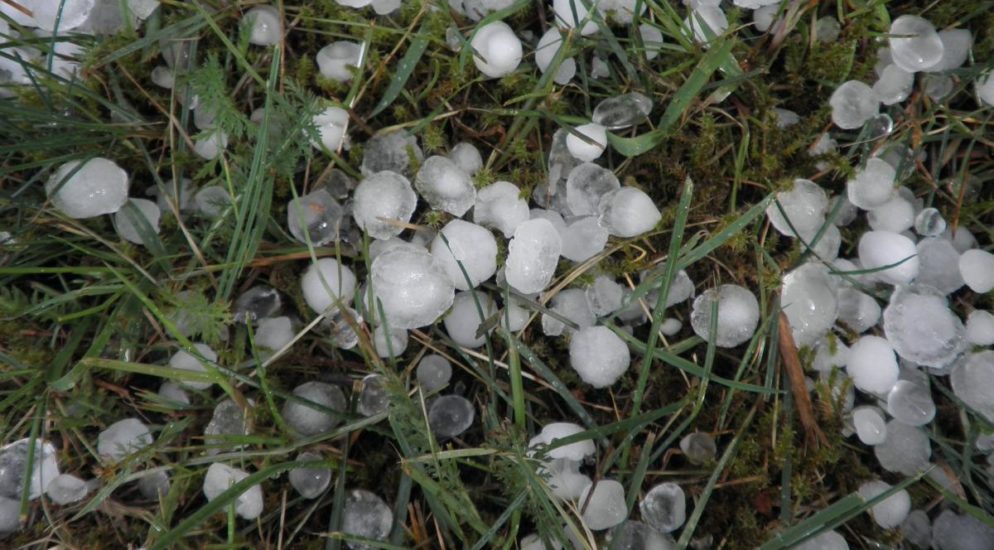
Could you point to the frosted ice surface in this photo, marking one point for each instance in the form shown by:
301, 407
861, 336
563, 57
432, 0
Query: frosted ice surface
586, 185
220, 477
914, 44
450, 416
604, 295
827, 540
373, 399
134, 214
326, 284
698, 447
184, 360
154, 485
445, 186
13, 468
891, 511
911, 403
123, 438
573, 305
906, 450
977, 269
331, 125
628, 212
228, 420
467, 157
389, 342
917, 529
652, 40
956, 44
366, 516
622, 111
304, 417
599, 356
896, 215
587, 141
603, 504
258, 302
952, 531
809, 299
564, 477
309, 482
664, 507
738, 315
870, 424
930, 223
573, 13
337, 60
266, 26
532, 256
873, 185
210, 144
85, 189
464, 319
872, 365
391, 151
67, 489
920, 326
830, 353
973, 382
496, 49
382, 203
465, 251
853, 103
10, 514
980, 328
576, 451
583, 238
273, 333
893, 255
212, 200
938, 262
546, 49
433, 372
894, 85
500, 206
706, 23
172, 391
51, 15
412, 287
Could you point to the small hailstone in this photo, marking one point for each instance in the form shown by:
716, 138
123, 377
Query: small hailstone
154, 485
977, 268
652, 40
172, 391
586, 185
266, 26
911, 403
340, 330
872, 365
445, 186
366, 516
220, 477
163, 77
500, 206
972, 379
465, 250
127, 220
706, 23
413, 289
920, 326
380, 199
951, 531
699, 448
67, 489
890, 512
309, 482
939, 264
308, 420
390, 151
563, 477
826, 540
622, 111
464, 319
853, 103
802, 208
906, 450
599, 68
533, 254
587, 141
467, 157
122, 438
603, 504
963, 239
571, 304
917, 529
496, 49
893, 254
331, 124
914, 44
858, 310
337, 60
873, 185
670, 326
664, 507
604, 296
274, 333
980, 328
938, 86
212, 200
515, 314
738, 315
389, 343
583, 239
956, 44
560, 163
227, 421
315, 218
183, 360
450, 416
573, 13
373, 399
385, 7
326, 284
628, 212
255, 303
826, 29
210, 144
433, 372
929, 223
547, 48
86, 189
599, 356
142, 9
896, 215
894, 85
830, 354
985, 88
870, 424
576, 451
357, 4
763, 17
13, 468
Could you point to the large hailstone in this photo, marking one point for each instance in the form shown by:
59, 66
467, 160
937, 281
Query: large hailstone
331, 125
922, 329
326, 283
893, 254
382, 203
809, 299
86, 189
599, 356
587, 141
853, 103
873, 185
738, 315
500, 206
872, 365
445, 186
801, 209
53, 15
532, 256
605, 504
628, 212
412, 288
972, 380
468, 313
127, 220
496, 49
576, 451
914, 44
461, 245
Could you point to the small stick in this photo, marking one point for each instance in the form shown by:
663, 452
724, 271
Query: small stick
802, 401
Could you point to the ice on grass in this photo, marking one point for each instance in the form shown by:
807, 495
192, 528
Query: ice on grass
220, 477
738, 315
13, 468
706, 22
564, 478
699, 448
560, 162
309, 482
52, 15
800, 210
810, 302
830, 353
929, 223
450, 416
340, 330
366, 516
546, 49
266, 26
122, 438
858, 310
171, 391
572, 305
583, 238
412, 287
496, 49
445, 186
622, 111
652, 40
467, 252
603, 504
315, 217
956, 45
893, 255
433, 372
906, 449
273, 333
86, 189
258, 302
587, 142
973, 382
136, 213
826, 540
599, 68
373, 398
326, 284
532, 256
938, 262
635, 535
911, 403
586, 185
872, 365
391, 152
227, 421
894, 85
67, 489
338, 60
985, 88
604, 296
464, 320
331, 125
467, 157
977, 269
980, 328
853, 103
389, 342
896, 215
154, 485
500, 206
890, 512
184, 360
870, 425
628, 212
576, 451
599, 356
302, 413
383, 203
920, 326
209, 144
917, 529
212, 201
914, 44
952, 531
664, 507
573, 13
873, 185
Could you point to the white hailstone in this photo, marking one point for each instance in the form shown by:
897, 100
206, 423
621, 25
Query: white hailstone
938, 86
67, 489
749, 4
86, 189
154, 485
956, 44
274, 333
827, 246
576, 451
906, 450
808, 298
891, 511
357, 4
622, 111
800, 210
826, 540
911, 403
465, 250
184, 360
873, 185
914, 44
563, 477
142, 9
16, 15
573, 13
532, 256
433, 372
445, 186
309, 482
389, 343
266, 25
134, 214
972, 380
13, 469
547, 48
10, 509
338, 60
952, 531
212, 201
980, 328
604, 296
853, 103
706, 23
496, 49
738, 315
464, 319
220, 477
52, 15
699, 448
858, 310
413, 289
173, 195
664, 507
841, 210
583, 239
599, 356
785, 118
500, 206
922, 329
227, 420
587, 141
880, 249
894, 85
628, 212
985, 88
381, 201
572, 305
763, 17
603, 504
930, 223
373, 398
306, 419
163, 77
450, 416
826, 29
825, 146
872, 365
172, 391
599, 68
938, 263
467, 157
670, 326
122, 438
326, 284
586, 185
379, 247
652, 40
210, 144
830, 353
896, 215
870, 424
366, 516
977, 269
390, 151
386, 7
515, 314
963, 239
331, 125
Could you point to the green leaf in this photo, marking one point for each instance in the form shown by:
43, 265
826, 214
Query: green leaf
404, 70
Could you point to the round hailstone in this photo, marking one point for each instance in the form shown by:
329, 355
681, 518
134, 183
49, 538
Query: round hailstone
373, 399
445, 186
563, 476
870, 424
894, 85
699, 448
433, 372
532, 256
381, 201
853, 103
939, 265
267, 27
622, 111
411, 287
911, 403
972, 380
86, 189
450, 416
212, 201
467, 157
389, 343
896, 215
210, 144
123, 438
827, 540
628, 212
906, 450
326, 283
977, 269
880, 249
980, 328
891, 511
738, 315
306, 419
496, 49
576, 451
587, 142
914, 44
572, 305
930, 223
547, 48
67, 489
315, 218
185, 361
256, 303
652, 40
500, 206
604, 296
586, 185
53, 15
604, 504
858, 310
706, 22
873, 185
274, 333
366, 516
465, 250
571, 13
872, 365
956, 44
951, 531
599, 356
664, 507
220, 477
309, 482
515, 314
464, 320
583, 239
805, 205
338, 60
670, 326
763, 17
391, 151
134, 214
331, 124
809, 300
922, 329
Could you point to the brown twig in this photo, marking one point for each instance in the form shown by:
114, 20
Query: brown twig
802, 401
